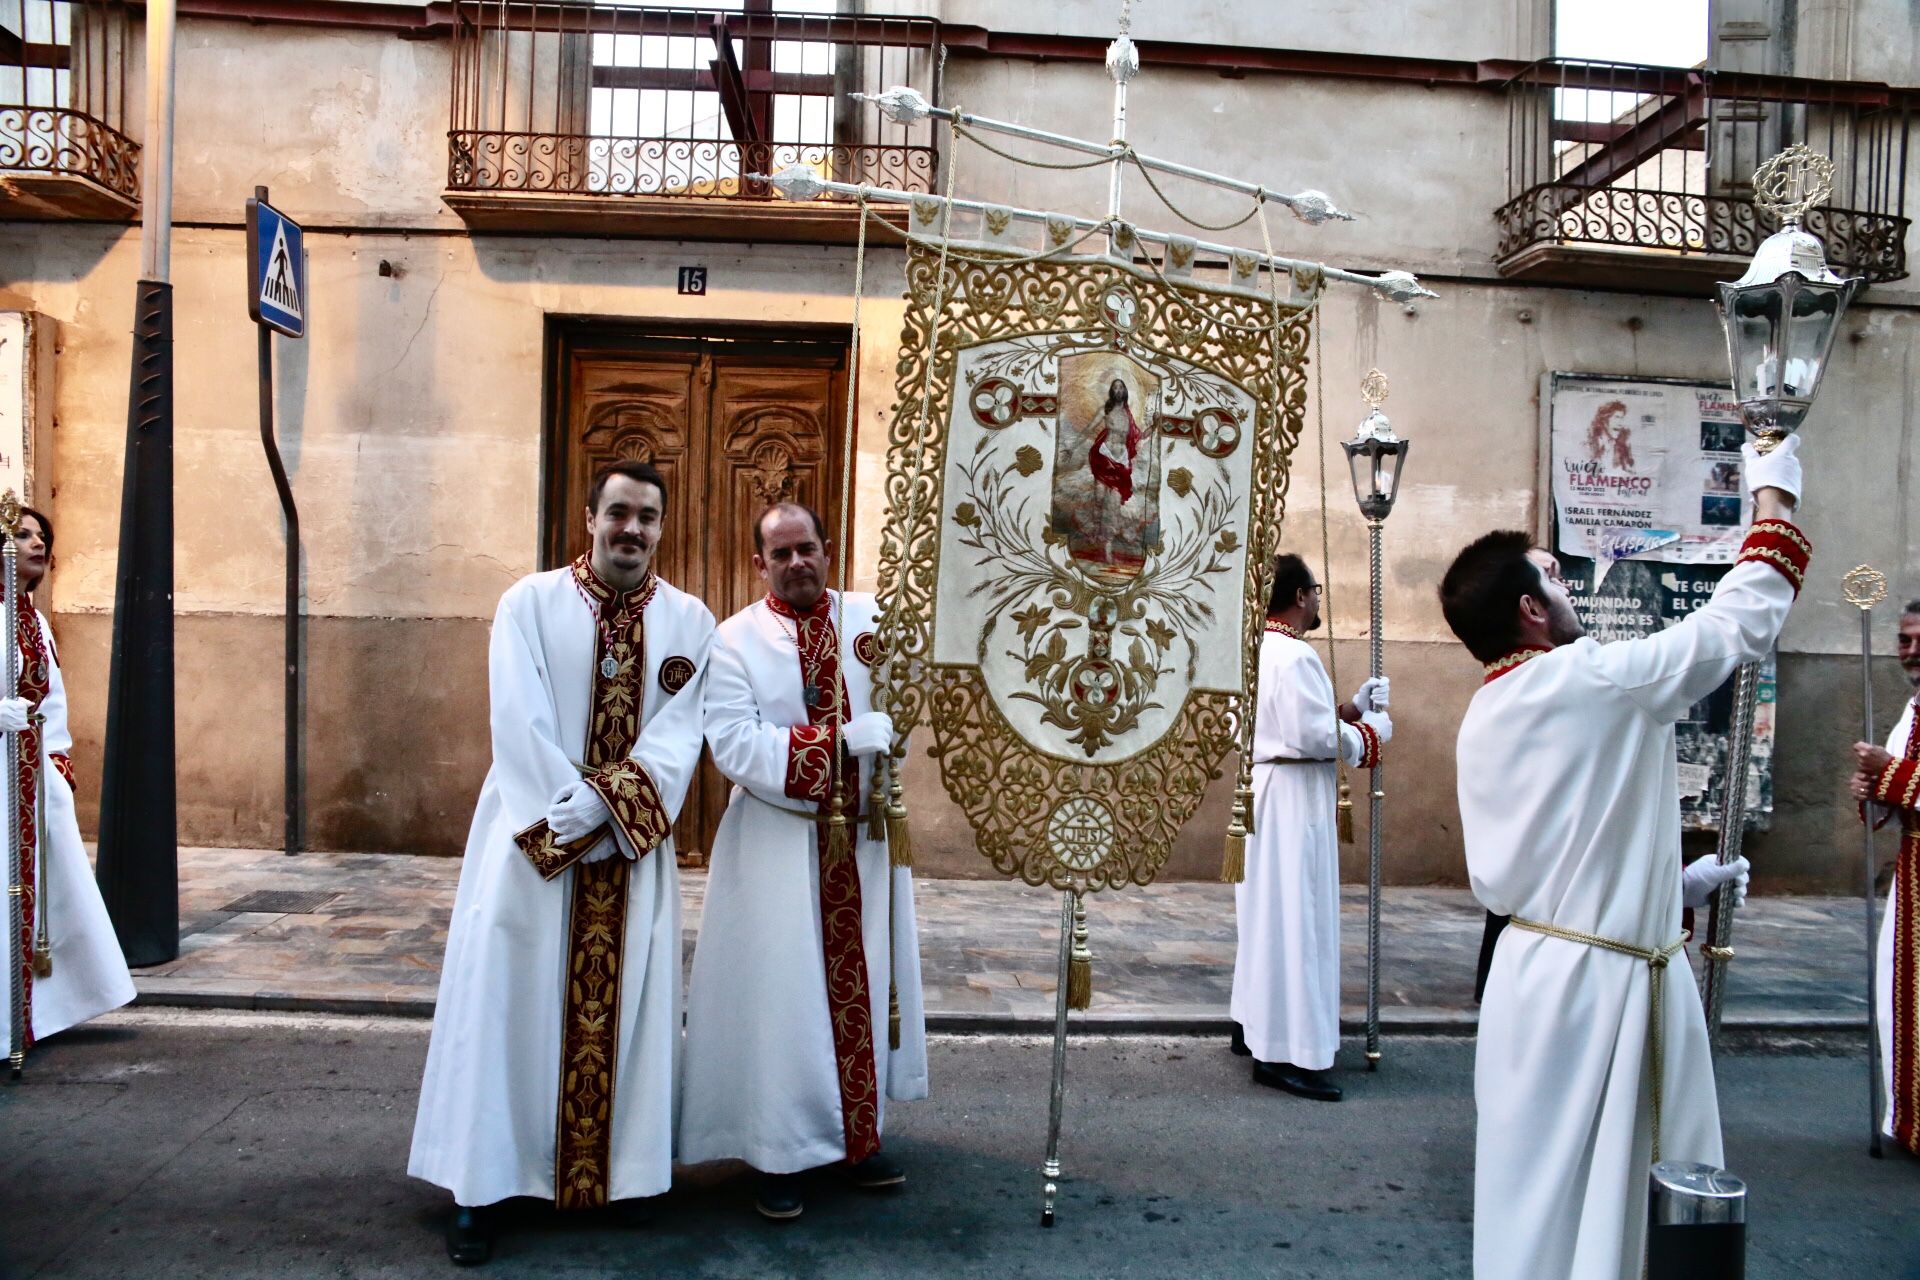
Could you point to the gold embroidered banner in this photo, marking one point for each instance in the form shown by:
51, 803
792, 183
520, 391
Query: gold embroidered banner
1085, 491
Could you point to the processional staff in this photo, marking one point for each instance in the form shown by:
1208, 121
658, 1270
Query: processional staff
1376, 457
1780, 320
17, 959
1865, 587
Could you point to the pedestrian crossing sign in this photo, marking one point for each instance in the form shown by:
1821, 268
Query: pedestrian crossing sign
277, 296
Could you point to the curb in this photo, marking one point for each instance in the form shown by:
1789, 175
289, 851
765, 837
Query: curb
1749, 1030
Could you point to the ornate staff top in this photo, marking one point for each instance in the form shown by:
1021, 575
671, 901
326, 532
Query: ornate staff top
10, 513
1373, 388
1864, 586
1796, 180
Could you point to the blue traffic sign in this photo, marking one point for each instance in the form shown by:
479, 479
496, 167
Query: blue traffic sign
277, 293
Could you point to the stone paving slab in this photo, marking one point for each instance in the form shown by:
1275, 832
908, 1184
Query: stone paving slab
1163, 955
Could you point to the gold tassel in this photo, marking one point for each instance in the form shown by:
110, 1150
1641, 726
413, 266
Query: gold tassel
42, 963
893, 1015
839, 845
876, 819
1233, 863
1079, 960
1344, 811
899, 835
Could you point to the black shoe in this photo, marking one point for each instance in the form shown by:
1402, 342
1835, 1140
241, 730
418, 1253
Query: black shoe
876, 1172
1298, 1081
469, 1236
779, 1197
1239, 1042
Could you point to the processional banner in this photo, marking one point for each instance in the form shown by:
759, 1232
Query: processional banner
1087, 473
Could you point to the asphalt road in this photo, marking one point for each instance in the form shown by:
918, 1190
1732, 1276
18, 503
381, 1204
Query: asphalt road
184, 1144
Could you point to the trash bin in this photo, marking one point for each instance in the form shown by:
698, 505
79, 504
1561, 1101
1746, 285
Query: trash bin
1696, 1223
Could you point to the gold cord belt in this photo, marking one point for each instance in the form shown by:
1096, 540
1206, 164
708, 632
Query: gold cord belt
1656, 962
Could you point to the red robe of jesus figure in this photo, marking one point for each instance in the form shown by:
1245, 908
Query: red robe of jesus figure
1111, 467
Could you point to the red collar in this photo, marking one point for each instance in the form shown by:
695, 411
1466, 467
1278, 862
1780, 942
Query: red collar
822, 608
601, 592
1280, 628
1501, 666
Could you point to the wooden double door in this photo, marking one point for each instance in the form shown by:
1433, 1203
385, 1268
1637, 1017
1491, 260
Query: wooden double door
735, 420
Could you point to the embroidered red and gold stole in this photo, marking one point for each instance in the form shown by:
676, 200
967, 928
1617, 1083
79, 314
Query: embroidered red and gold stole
811, 751
597, 911
1898, 787
35, 679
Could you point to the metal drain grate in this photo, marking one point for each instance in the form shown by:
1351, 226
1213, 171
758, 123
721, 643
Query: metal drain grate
282, 902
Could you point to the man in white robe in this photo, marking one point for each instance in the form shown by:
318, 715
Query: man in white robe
553, 1063
1286, 969
804, 1008
72, 968
1888, 779
1592, 1059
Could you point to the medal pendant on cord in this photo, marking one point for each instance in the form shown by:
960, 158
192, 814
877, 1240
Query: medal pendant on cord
812, 695
609, 668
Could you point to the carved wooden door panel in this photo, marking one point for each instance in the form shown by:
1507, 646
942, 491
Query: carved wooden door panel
733, 426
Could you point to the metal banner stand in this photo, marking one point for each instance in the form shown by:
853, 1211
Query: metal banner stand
1864, 587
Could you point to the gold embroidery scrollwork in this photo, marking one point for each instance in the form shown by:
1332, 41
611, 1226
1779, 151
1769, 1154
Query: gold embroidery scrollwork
1012, 792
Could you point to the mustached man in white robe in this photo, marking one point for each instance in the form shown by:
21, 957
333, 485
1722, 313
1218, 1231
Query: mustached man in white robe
81, 973
1286, 968
1887, 781
803, 955
553, 1064
1569, 809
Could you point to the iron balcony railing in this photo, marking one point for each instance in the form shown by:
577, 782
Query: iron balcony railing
650, 100
1658, 158
63, 92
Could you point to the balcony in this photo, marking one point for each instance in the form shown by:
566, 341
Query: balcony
646, 120
64, 152
1641, 177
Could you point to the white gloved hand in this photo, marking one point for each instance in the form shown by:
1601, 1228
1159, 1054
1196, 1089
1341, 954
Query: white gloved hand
603, 849
869, 734
1777, 470
14, 714
577, 809
1381, 725
1372, 696
1703, 876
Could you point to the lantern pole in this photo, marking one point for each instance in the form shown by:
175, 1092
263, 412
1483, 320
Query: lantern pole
1774, 383
1374, 444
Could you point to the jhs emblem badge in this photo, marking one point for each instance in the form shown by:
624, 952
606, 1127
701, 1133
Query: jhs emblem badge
674, 674
866, 647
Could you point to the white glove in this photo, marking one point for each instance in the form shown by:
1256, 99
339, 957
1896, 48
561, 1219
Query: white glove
603, 849
1777, 470
14, 713
1703, 876
577, 809
1372, 696
1381, 725
869, 734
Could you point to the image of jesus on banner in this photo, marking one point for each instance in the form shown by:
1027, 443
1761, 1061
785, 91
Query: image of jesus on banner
1106, 475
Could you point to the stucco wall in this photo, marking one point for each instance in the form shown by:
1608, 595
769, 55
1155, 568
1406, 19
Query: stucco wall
411, 417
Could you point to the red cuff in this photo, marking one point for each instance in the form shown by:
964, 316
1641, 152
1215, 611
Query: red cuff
65, 766
548, 856
1899, 784
1780, 546
1369, 746
810, 762
634, 800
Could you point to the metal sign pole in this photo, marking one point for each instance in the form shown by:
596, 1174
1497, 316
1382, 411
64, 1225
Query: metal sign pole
294, 787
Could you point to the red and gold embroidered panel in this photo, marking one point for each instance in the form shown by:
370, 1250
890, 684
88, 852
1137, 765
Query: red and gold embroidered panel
810, 762
35, 679
597, 912
1897, 786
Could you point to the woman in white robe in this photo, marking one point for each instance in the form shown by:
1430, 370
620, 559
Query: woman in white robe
89, 973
